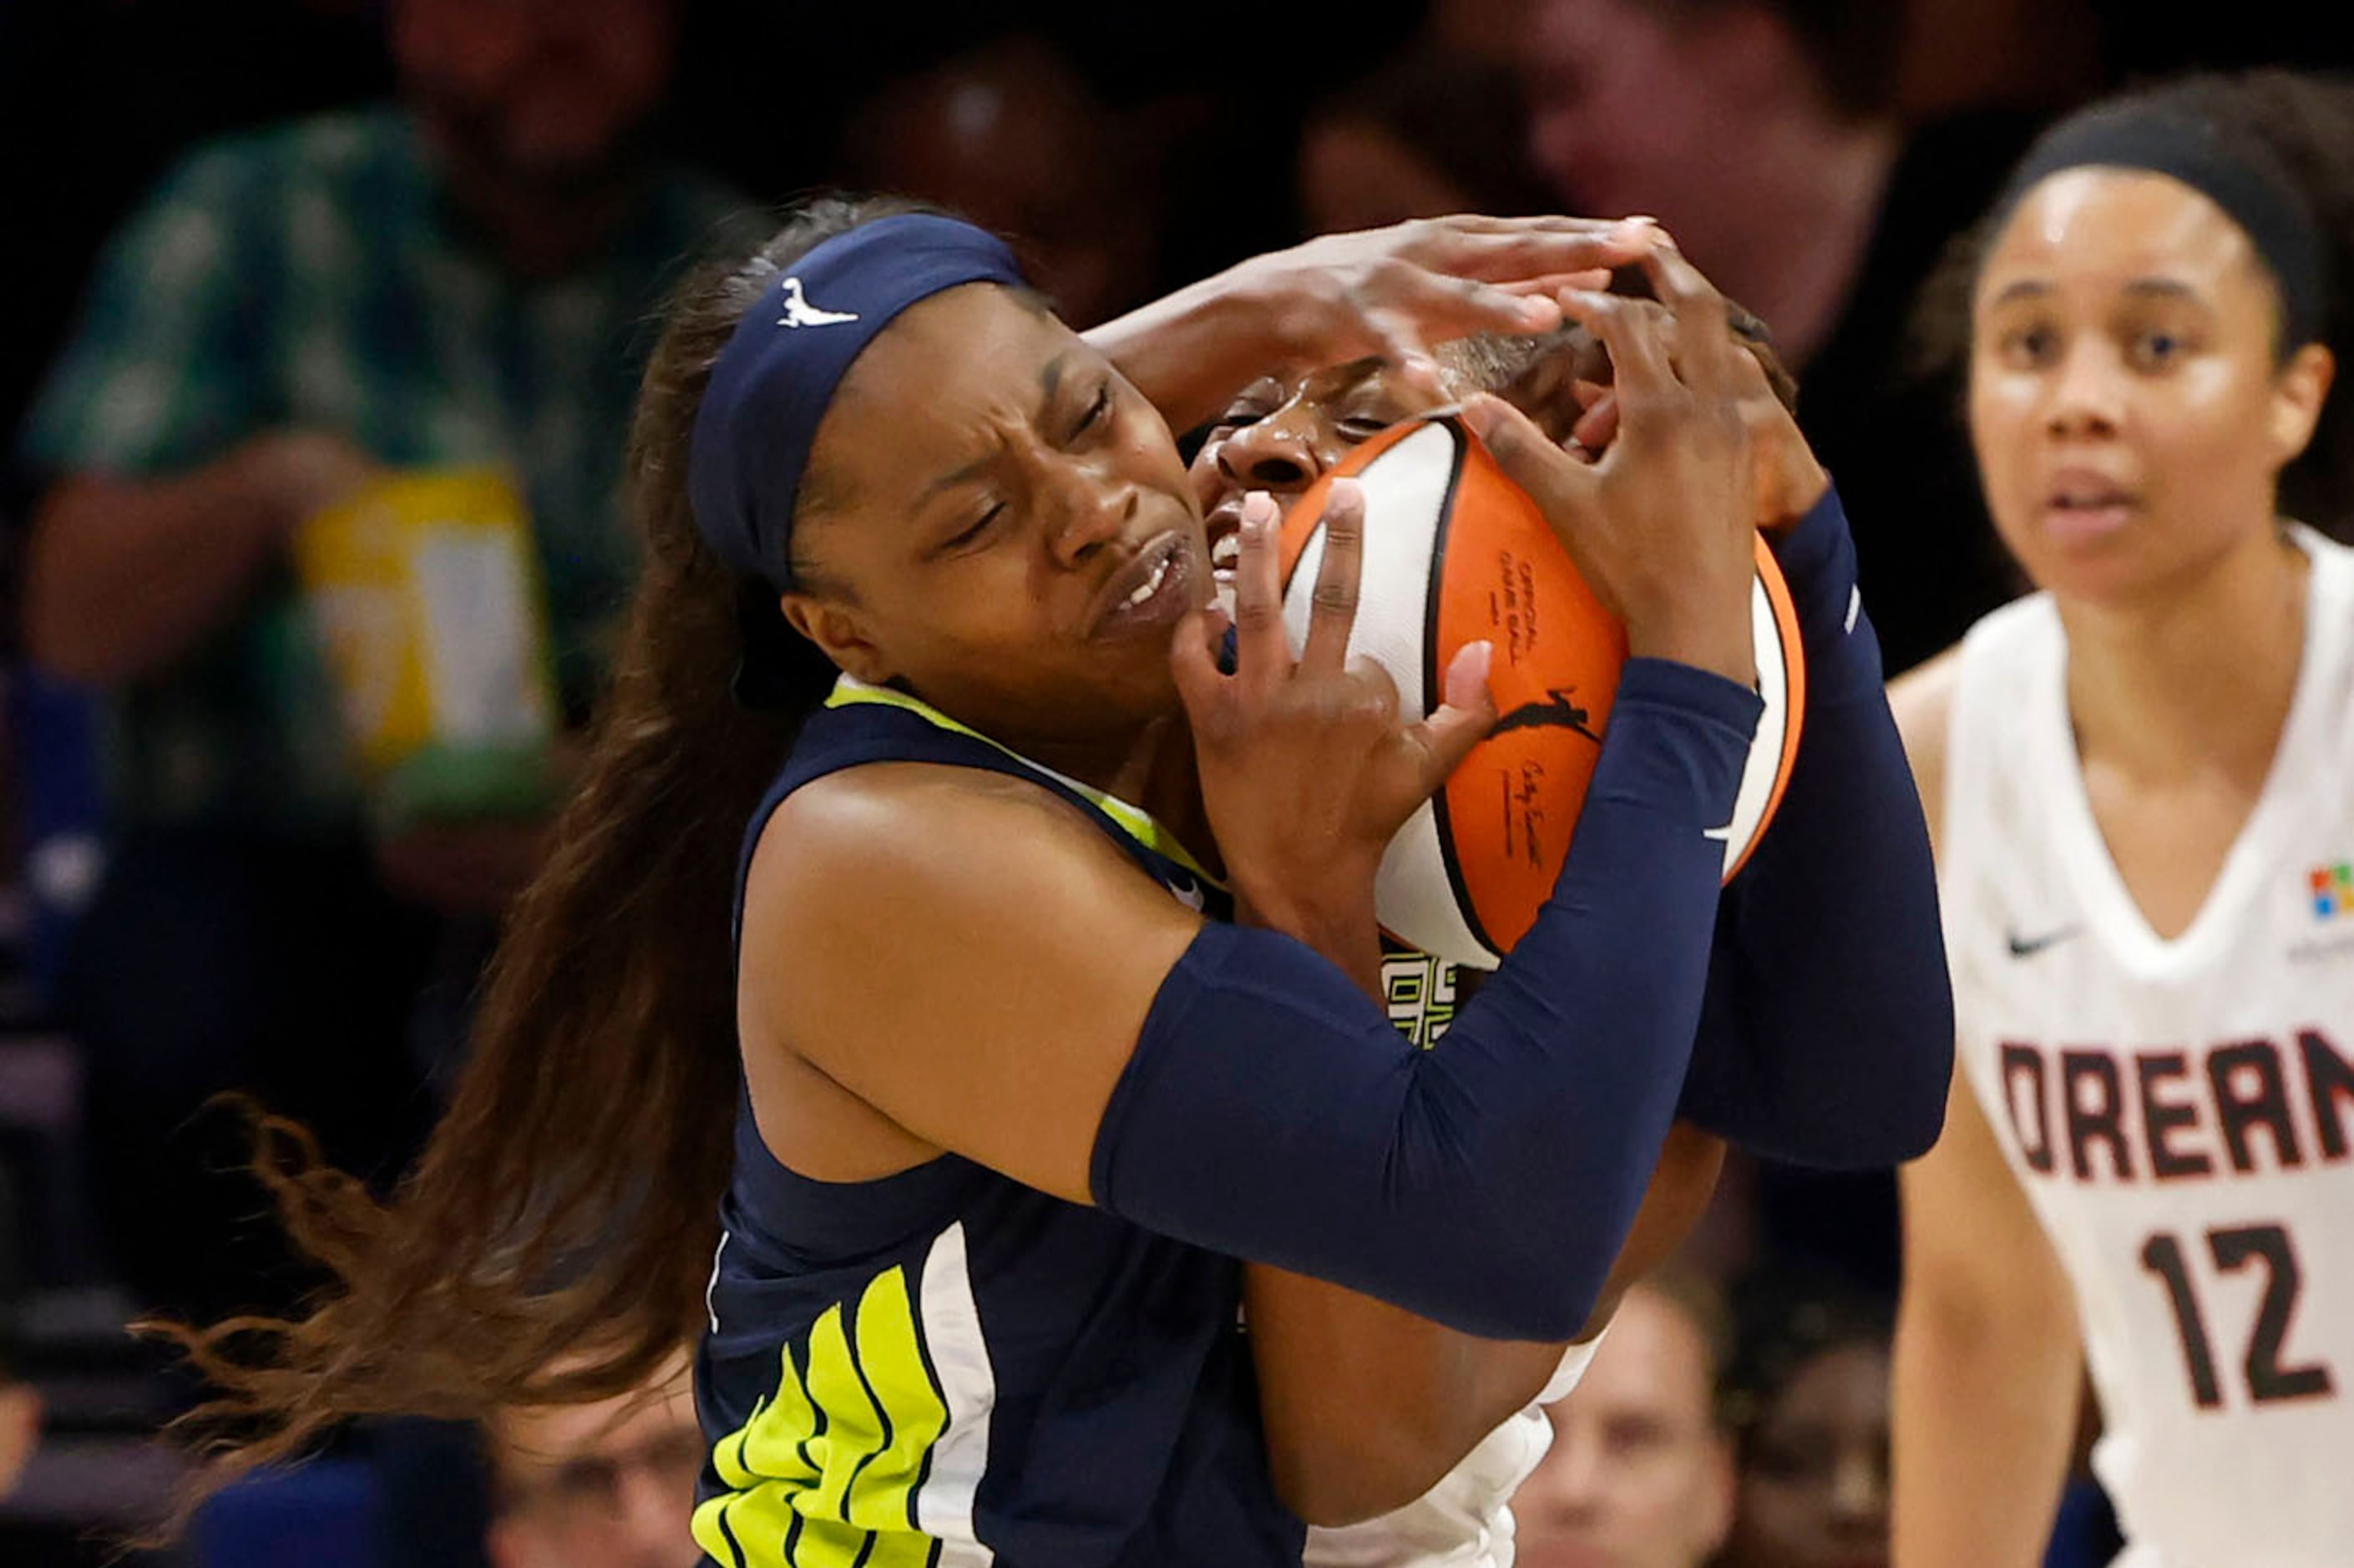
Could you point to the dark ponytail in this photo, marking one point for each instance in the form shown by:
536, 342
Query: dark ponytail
552, 1244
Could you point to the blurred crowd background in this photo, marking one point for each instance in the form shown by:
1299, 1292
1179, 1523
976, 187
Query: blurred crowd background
262, 254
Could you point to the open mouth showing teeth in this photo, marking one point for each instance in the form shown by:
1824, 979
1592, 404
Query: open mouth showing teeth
1226, 554
1151, 585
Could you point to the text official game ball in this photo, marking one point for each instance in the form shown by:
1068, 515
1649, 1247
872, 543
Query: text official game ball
1454, 553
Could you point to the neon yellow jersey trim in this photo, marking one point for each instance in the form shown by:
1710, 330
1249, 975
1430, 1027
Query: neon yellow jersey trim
1133, 821
825, 1475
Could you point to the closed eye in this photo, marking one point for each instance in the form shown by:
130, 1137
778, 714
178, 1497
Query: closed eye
1096, 411
1241, 416
970, 536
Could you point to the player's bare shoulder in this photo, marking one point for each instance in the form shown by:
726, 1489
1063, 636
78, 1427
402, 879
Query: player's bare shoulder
1922, 699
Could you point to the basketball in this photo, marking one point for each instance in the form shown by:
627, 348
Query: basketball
1455, 552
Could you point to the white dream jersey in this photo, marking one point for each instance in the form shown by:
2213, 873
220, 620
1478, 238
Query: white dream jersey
2179, 1112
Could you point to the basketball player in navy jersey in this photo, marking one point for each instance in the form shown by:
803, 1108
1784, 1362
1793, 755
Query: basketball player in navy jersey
2139, 778
989, 1101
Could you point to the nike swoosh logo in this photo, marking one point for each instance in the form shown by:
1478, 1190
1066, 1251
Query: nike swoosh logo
2028, 946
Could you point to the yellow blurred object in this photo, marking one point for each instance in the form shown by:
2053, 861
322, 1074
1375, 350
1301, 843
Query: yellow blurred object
424, 589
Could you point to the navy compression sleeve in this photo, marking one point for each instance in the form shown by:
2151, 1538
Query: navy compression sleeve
1271, 1112
1827, 1035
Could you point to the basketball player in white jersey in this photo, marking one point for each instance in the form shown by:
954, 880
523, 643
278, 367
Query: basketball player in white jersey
2141, 778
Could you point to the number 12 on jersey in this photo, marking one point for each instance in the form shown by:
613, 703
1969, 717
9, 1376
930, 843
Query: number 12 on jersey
2234, 1249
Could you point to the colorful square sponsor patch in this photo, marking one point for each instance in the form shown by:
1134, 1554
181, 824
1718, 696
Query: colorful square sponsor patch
2333, 889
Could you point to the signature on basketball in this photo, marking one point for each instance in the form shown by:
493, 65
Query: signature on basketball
1558, 711
1522, 791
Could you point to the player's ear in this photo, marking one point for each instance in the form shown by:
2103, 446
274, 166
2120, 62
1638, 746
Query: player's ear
840, 630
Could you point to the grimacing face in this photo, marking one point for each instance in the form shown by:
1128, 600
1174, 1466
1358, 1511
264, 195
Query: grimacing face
2127, 398
1282, 435
999, 524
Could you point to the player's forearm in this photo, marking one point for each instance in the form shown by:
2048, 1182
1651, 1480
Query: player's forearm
1191, 351
123, 579
1827, 1035
1985, 1400
1366, 1407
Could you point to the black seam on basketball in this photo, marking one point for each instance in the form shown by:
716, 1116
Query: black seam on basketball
1431, 683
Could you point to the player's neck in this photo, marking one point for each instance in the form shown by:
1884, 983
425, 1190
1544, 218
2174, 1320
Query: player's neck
2196, 677
1153, 771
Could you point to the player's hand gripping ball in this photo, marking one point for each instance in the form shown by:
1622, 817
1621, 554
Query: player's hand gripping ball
1455, 552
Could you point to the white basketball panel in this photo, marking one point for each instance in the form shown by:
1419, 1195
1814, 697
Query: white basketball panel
1765, 752
1406, 489
1415, 900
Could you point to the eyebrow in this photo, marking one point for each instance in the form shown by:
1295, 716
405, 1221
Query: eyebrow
2035, 287
2166, 288
1347, 378
955, 477
1050, 383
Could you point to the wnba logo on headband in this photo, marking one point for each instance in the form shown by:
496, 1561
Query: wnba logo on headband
772, 383
799, 312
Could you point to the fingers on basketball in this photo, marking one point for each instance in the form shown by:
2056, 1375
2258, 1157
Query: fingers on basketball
1193, 660
1461, 722
1702, 318
1263, 655
1332, 603
1521, 451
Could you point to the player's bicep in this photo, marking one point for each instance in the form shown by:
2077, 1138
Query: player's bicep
974, 961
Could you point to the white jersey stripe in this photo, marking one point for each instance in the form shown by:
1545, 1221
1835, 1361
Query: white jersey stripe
959, 1356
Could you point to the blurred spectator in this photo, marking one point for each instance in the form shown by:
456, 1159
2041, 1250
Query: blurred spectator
1761, 134
1011, 137
1807, 1397
1638, 1475
2052, 55
2041, 55
1425, 134
610, 1485
457, 280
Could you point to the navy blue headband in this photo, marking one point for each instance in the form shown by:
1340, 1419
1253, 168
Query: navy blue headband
773, 381
2186, 147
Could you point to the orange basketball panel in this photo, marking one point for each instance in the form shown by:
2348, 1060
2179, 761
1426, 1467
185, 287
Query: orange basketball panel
1505, 816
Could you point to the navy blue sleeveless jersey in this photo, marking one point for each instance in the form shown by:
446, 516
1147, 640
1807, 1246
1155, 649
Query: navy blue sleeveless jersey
946, 1367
